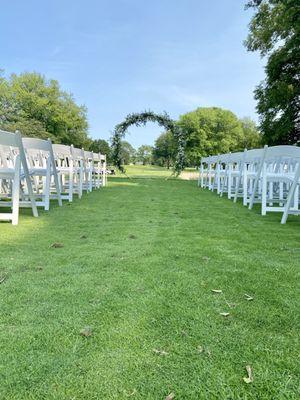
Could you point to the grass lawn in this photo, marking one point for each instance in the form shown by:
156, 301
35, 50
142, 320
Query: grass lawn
146, 171
139, 261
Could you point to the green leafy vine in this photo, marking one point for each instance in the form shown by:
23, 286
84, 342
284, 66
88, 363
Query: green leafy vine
141, 119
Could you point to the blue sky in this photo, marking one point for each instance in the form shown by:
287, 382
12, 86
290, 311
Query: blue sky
123, 56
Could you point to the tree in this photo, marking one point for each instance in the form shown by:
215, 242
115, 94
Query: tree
251, 135
128, 153
275, 33
210, 131
39, 108
101, 146
164, 152
144, 154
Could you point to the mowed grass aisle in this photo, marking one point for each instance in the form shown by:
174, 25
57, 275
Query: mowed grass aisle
139, 261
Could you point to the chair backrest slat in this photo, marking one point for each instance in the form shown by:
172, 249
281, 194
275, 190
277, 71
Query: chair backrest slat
284, 151
9, 139
61, 150
36, 144
77, 153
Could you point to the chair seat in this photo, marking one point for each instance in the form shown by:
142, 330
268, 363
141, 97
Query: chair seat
235, 173
67, 169
63, 169
35, 172
280, 177
6, 173
251, 175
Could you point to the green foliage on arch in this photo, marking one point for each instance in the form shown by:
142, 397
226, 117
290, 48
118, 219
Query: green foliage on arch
140, 119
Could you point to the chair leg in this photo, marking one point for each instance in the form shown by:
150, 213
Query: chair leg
209, 177
16, 194
270, 193
71, 186
264, 195
296, 197
57, 186
288, 202
80, 183
245, 189
237, 187
200, 178
229, 185
47, 190
291, 195
281, 193
90, 176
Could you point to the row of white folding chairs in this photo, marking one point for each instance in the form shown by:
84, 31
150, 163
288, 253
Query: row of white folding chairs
32, 171
269, 176
79, 170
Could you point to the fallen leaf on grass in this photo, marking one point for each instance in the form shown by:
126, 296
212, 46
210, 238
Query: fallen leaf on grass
208, 352
231, 305
248, 298
249, 378
224, 314
160, 352
86, 331
216, 290
204, 350
56, 245
131, 393
170, 396
200, 349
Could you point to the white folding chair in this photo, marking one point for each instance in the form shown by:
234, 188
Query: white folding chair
203, 172
235, 173
229, 173
103, 169
278, 176
213, 165
78, 167
66, 170
13, 168
42, 168
97, 171
88, 165
269, 176
249, 163
252, 177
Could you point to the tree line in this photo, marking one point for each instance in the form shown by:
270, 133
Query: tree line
38, 107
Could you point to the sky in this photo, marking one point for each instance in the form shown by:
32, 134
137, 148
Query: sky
124, 56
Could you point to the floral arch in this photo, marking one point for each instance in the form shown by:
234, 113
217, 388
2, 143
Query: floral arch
141, 119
